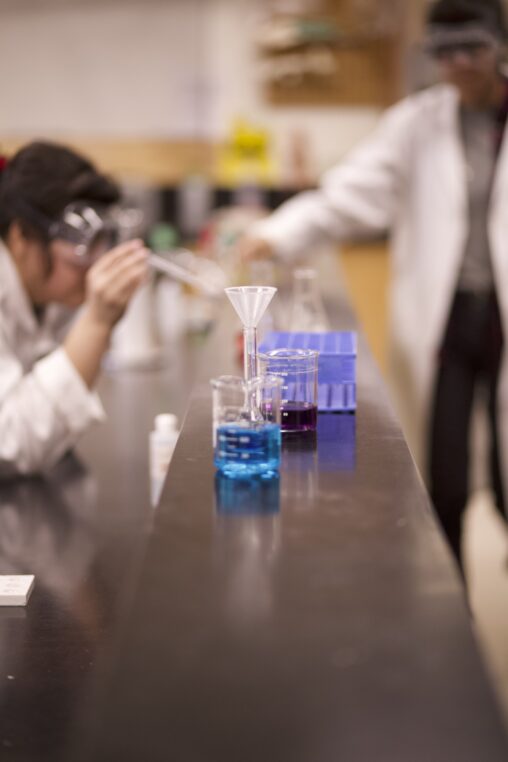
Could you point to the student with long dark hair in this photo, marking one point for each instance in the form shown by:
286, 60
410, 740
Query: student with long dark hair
50, 263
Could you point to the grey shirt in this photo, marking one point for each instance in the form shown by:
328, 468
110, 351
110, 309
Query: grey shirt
478, 130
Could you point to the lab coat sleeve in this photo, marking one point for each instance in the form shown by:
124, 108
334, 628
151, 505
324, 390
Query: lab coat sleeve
43, 412
357, 198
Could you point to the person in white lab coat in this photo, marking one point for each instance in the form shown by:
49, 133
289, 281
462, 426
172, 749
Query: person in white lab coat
48, 197
435, 175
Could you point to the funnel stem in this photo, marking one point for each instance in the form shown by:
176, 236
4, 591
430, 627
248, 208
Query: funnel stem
250, 352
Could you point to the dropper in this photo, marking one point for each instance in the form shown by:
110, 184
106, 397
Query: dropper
183, 275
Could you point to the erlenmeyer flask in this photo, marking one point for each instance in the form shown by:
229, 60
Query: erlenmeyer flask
307, 310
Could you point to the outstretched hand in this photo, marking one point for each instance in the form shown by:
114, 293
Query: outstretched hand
252, 249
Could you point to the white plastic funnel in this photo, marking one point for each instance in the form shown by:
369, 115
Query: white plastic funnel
250, 303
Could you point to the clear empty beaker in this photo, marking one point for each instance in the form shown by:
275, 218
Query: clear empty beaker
298, 369
246, 425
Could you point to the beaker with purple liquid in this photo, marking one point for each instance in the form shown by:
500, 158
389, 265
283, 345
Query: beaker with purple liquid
298, 369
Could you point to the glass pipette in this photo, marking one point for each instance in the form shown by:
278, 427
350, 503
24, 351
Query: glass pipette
183, 275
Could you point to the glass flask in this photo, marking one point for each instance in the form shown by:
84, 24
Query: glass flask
307, 310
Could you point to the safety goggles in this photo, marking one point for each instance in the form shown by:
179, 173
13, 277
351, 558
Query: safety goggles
87, 231
444, 43
90, 233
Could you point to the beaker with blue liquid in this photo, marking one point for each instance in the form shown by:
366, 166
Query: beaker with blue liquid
246, 426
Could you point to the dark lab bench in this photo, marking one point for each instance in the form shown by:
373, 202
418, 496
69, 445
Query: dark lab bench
319, 618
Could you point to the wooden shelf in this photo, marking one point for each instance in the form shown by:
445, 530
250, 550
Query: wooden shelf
366, 55
364, 75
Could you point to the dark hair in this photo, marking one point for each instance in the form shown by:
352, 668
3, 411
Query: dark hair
46, 177
486, 13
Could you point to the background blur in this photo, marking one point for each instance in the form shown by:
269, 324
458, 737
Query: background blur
166, 70
151, 91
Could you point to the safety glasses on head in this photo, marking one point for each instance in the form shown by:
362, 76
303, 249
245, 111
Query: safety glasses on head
443, 42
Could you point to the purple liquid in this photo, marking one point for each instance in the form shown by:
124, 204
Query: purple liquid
298, 416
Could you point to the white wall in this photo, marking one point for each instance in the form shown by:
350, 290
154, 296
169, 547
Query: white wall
110, 69
153, 68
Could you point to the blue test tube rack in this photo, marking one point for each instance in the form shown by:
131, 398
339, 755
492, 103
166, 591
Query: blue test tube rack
336, 365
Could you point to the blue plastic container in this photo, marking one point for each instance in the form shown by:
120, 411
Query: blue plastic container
336, 365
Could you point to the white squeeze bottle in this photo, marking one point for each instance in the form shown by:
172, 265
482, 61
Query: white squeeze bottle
162, 443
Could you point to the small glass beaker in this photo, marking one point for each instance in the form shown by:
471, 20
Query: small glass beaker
298, 369
246, 425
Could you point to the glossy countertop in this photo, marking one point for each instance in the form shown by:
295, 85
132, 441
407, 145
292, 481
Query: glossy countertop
315, 617
81, 530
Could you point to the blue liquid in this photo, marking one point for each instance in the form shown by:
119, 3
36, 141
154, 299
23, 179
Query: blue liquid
248, 450
251, 496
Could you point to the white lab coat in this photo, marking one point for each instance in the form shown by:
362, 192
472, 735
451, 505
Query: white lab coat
44, 404
408, 178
